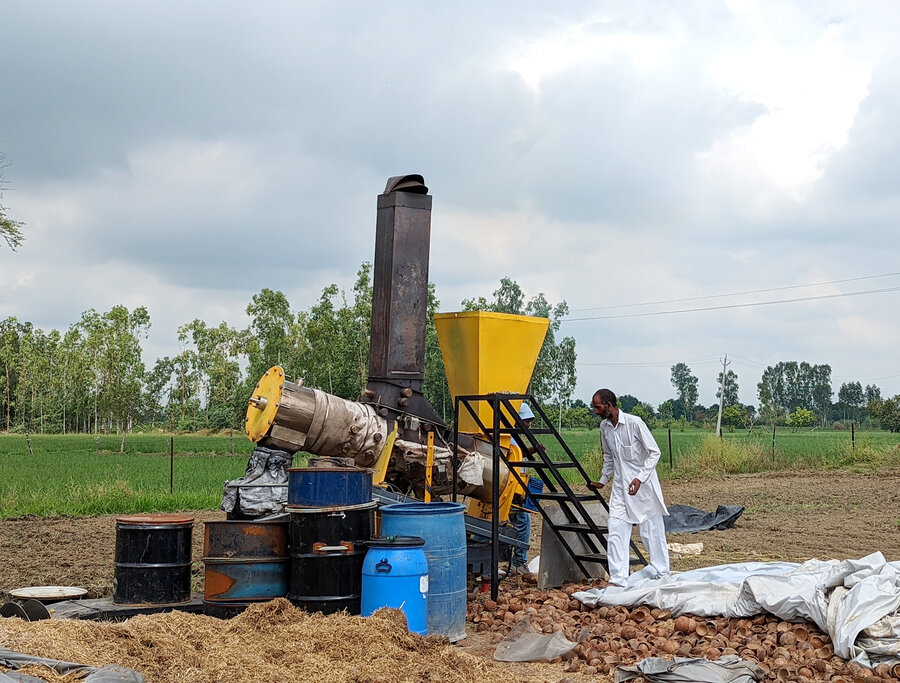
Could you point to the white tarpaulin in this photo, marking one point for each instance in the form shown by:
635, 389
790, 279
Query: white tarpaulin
855, 602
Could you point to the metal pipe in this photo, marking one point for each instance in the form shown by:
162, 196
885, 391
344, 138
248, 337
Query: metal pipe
321, 423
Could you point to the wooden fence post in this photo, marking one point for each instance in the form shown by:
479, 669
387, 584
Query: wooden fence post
852, 436
171, 464
671, 462
773, 441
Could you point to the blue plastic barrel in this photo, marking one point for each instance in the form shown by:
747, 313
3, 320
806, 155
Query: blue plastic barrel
395, 574
443, 528
535, 485
321, 487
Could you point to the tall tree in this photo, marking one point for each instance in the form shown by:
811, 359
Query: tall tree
851, 399
554, 375
10, 230
820, 388
872, 393
666, 409
11, 332
685, 384
183, 406
217, 357
789, 385
271, 321
435, 387
731, 388
627, 402
887, 412
114, 343
156, 385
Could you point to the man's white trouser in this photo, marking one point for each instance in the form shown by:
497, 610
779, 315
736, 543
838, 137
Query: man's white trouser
653, 536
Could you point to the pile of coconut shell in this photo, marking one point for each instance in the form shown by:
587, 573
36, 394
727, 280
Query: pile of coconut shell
621, 636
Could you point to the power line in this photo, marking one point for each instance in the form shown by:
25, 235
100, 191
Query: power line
864, 379
720, 308
721, 296
698, 360
643, 365
706, 361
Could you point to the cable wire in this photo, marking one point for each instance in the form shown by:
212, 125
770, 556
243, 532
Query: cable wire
721, 296
727, 306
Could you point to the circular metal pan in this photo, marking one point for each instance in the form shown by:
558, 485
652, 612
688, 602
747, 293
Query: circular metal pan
48, 593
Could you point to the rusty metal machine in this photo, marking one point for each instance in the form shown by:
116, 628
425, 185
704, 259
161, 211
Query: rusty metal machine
393, 429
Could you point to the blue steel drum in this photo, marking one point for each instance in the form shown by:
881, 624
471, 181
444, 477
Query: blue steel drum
443, 528
245, 562
329, 486
395, 574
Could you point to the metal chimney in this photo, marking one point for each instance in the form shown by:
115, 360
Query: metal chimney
400, 298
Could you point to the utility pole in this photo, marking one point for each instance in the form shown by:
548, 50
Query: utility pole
725, 364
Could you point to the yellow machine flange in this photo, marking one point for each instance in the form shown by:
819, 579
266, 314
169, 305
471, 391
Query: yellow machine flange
264, 403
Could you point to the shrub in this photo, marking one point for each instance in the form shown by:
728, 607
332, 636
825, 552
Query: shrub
869, 456
723, 456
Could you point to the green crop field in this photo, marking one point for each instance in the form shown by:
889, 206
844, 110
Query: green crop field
86, 475
697, 452
83, 475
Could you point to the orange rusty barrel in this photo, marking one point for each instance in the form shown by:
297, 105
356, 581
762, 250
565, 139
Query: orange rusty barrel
245, 562
153, 559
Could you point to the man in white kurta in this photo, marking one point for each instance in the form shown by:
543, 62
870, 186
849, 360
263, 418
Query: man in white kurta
630, 455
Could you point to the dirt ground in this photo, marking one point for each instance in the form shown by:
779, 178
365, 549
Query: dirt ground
790, 516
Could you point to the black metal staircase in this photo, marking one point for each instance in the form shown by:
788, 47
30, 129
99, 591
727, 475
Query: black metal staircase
578, 521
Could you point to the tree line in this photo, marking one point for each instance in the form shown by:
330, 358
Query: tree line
91, 378
791, 393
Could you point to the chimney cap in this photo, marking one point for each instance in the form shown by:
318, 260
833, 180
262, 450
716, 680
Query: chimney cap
413, 183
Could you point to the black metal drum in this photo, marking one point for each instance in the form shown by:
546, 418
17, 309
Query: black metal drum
327, 556
153, 559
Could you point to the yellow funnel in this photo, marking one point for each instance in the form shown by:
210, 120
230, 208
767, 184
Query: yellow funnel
486, 353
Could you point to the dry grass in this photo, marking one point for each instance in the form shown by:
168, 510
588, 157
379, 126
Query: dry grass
274, 641
870, 456
715, 456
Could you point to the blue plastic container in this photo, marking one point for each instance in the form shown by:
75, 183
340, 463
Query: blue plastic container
395, 574
321, 487
535, 485
443, 528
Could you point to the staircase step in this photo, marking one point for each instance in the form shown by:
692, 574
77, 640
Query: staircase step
562, 495
583, 528
541, 463
590, 557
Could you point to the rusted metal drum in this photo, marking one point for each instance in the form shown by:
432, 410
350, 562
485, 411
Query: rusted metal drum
327, 555
329, 486
245, 562
153, 559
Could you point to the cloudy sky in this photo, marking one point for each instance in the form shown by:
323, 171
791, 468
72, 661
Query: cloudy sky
182, 156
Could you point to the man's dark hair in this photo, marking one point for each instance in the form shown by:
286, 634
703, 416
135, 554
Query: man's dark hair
606, 396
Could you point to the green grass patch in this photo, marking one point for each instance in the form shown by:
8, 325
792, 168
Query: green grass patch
81, 475
696, 452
